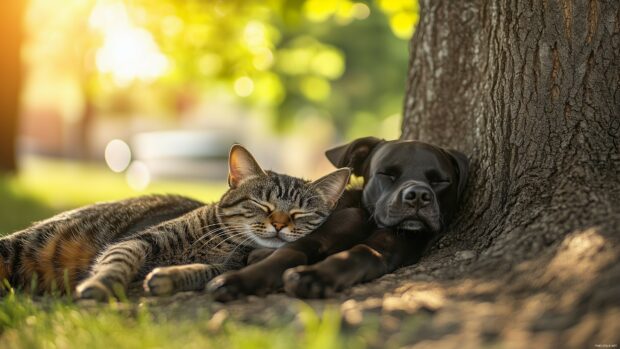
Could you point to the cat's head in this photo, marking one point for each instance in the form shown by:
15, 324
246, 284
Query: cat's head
267, 209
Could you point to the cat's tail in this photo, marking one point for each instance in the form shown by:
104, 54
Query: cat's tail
9, 249
44, 258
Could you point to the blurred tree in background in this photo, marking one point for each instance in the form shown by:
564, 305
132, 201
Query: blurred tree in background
342, 60
11, 13
315, 56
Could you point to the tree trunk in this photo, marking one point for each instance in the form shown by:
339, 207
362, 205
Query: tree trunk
531, 91
11, 13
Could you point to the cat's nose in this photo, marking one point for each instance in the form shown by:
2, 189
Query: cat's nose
279, 226
279, 220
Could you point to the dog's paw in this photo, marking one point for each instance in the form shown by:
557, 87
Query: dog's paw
159, 282
93, 289
226, 288
308, 282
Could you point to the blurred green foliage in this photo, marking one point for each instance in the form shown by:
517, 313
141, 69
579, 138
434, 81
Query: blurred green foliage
342, 60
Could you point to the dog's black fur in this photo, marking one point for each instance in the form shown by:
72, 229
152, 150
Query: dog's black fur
411, 192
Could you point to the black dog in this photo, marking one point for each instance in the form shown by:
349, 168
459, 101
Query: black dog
411, 192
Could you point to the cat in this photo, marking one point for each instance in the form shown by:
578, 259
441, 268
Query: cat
177, 242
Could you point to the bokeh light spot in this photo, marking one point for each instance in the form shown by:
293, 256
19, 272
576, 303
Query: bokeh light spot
117, 155
403, 23
244, 86
210, 64
328, 63
391, 6
319, 10
263, 59
138, 176
254, 34
315, 89
294, 61
361, 11
269, 89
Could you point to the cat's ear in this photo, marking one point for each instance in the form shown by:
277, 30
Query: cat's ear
241, 166
332, 185
354, 154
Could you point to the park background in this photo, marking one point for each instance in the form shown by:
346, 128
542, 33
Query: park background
122, 98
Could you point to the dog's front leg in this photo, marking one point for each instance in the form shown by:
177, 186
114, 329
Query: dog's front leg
258, 255
342, 230
382, 253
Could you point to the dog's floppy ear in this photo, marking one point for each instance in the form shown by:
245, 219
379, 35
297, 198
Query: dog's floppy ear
354, 154
461, 163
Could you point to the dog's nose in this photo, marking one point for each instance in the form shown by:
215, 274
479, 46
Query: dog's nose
417, 196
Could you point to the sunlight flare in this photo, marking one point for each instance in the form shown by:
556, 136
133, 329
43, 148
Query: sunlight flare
128, 52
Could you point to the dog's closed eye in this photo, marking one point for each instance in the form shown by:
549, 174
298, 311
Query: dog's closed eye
386, 175
389, 173
436, 179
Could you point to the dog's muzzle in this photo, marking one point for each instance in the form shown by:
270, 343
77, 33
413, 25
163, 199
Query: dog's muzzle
418, 207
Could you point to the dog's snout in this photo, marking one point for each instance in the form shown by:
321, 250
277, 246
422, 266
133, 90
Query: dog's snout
417, 196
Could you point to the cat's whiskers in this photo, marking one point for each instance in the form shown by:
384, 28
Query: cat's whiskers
222, 233
211, 235
221, 225
229, 238
217, 232
226, 233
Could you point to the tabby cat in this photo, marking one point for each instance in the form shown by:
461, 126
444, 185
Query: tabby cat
183, 243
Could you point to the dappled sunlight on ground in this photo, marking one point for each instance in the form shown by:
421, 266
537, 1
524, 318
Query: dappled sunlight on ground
581, 256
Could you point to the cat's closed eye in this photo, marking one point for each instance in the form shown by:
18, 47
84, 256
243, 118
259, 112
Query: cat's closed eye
267, 207
295, 214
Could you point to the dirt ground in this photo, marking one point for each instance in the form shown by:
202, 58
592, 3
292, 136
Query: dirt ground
569, 298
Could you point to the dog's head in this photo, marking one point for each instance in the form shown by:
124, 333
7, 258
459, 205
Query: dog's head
408, 185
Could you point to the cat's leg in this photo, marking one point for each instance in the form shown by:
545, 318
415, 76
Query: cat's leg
189, 277
114, 269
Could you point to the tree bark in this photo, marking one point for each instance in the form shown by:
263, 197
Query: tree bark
11, 13
530, 90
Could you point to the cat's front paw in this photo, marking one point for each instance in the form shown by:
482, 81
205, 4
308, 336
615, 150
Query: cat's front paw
159, 282
93, 289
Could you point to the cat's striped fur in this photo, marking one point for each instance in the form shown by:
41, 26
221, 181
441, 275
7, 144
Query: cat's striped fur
183, 243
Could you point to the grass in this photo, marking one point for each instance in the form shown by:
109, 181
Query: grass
59, 323
45, 187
